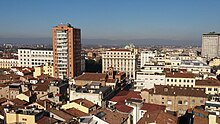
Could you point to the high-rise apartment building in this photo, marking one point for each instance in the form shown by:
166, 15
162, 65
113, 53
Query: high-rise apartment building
67, 51
211, 45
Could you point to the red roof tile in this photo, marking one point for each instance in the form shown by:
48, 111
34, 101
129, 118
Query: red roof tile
124, 95
180, 75
152, 107
207, 82
75, 112
47, 120
84, 102
177, 91
159, 117
91, 77
120, 50
123, 108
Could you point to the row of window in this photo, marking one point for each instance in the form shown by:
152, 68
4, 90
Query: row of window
210, 89
36, 52
118, 53
181, 102
180, 80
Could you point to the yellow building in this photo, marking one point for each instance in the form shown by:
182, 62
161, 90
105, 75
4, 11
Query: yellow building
44, 69
26, 116
215, 62
80, 104
8, 63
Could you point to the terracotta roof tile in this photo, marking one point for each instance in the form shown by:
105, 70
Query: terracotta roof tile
159, 117
152, 107
84, 102
47, 120
41, 87
120, 50
91, 77
207, 82
112, 117
124, 95
61, 114
110, 81
19, 102
178, 91
123, 108
75, 112
2, 100
180, 75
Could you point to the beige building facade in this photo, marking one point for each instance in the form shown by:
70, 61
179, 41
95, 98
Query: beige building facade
176, 99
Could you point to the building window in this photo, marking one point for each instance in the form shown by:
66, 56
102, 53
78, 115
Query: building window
215, 89
24, 119
169, 102
193, 101
180, 102
201, 101
209, 89
167, 80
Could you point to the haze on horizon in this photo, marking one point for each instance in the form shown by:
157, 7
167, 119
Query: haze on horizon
162, 21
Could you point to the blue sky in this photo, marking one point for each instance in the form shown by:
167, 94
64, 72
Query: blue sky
112, 19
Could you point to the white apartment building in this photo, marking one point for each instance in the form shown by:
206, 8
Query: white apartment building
147, 80
148, 76
34, 57
195, 66
180, 79
211, 45
121, 60
146, 56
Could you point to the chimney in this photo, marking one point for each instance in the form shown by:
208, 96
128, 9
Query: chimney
45, 105
154, 90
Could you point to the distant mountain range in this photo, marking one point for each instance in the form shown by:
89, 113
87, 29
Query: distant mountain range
103, 42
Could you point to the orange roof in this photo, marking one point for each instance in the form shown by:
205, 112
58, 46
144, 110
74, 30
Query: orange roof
178, 91
180, 75
152, 107
91, 77
112, 117
158, 116
124, 95
123, 108
120, 50
84, 102
208, 82
75, 112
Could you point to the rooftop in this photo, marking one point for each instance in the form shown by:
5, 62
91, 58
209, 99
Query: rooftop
124, 95
91, 77
110, 116
178, 91
158, 116
207, 82
180, 75
84, 102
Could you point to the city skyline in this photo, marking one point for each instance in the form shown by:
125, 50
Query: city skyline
145, 22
